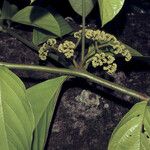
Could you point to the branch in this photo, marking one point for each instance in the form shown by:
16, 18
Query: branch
79, 73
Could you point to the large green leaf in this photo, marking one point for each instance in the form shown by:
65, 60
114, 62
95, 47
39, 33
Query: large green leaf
8, 10
133, 51
41, 131
40, 36
43, 98
137, 55
77, 6
42, 18
16, 116
133, 132
32, 1
109, 9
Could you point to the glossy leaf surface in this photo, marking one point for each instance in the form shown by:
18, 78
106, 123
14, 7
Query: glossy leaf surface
77, 6
32, 1
133, 132
16, 117
43, 98
42, 18
109, 9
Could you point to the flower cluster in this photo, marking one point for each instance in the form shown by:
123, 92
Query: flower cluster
67, 48
105, 60
110, 68
95, 35
78, 34
101, 36
43, 51
51, 42
105, 47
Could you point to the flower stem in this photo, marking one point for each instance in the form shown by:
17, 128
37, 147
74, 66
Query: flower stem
75, 63
83, 31
79, 73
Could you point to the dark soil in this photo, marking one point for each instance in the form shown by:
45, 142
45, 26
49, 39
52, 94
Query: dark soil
86, 113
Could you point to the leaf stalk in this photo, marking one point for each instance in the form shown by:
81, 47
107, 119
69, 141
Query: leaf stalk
83, 32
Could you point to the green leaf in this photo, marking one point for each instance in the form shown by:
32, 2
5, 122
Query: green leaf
133, 132
41, 131
77, 6
145, 59
8, 10
44, 19
109, 9
40, 36
32, 1
137, 55
43, 98
16, 116
64, 27
133, 51
41, 94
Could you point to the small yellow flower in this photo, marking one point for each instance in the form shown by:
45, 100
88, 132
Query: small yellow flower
128, 57
103, 36
43, 52
67, 48
42, 56
96, 61
60, 48
100, 59
89, 33
110, 68
117, 49
51, 42
96, 34
121, 49
78, 34
110, 60
125, 52
111, 38
45, 46
69, 54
